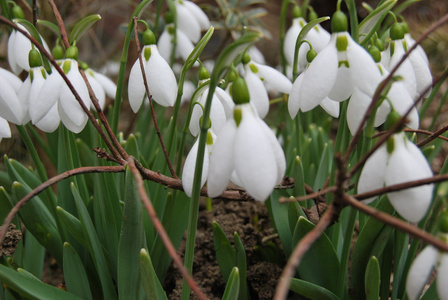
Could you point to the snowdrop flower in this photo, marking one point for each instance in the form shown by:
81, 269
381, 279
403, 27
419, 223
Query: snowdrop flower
5, 131
397, 97
255, 76
162, 83
190, 163
414, 70
221, 109
294, 103
247, 146
399, 161
56, 92
410, 42
425, 262
191, 19
11, 108
101, 85
317, 37
184, 45
338, 68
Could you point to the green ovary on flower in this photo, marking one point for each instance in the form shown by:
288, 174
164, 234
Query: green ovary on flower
148, 38
245, 59
240, 92
397, 31
58, 52
310, 55
203, 74
34, 58
339, 22
72, 52
17, 12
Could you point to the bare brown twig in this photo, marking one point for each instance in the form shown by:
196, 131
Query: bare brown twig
161, 231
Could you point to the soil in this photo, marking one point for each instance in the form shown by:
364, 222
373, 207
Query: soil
250, 219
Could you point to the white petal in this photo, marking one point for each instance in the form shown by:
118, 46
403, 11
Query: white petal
184, 45
69, 122
255, 161
406, 70
343, 86
256, 55
5, 131
20, 48
357, 107
10, 107
221, 160
189, 169
136, 87
226, 101
165, 43
323, 37
50, 122
187, 23
277, 148
162, 83
420, 271
422, 72
402, 101
331, 107
258, 94
11, 78
274, 78
442, 276
98, 90
407, 163
47, 97
319, 78
23, 94
11, 53
199, 15
294, 100
373, 172
291, 38
108, 85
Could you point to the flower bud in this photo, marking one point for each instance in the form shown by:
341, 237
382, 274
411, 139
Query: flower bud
148, 38
240, 92
72, 52
339, 22
34, 58
203, 73
397, 31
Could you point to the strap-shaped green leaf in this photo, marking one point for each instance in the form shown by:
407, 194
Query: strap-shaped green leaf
311, 290
74, 273
149, 280
372, 22
82, 26
233, 285
73, 225
241, 264
225, 254
372, 279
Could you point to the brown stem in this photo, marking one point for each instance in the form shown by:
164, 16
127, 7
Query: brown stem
396, 223
48, 183
161, 231
312, 195
60, 22
156, 125
431, 135
299, 251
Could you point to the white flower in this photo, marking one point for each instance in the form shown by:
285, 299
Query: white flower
5, 131
55, 94
426, 261
191, 19
256, 75
30, 89
165, 44
399, 161
101, 86
247, 146
11, 108
190, 163
414, 70
162, 83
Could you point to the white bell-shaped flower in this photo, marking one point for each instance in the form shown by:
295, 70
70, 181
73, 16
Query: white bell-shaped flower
5, 130
340, 67
165, 44
399, 161
247, 146
101, 85
161, 81
256, 76
190, 163
191, 19
11, 108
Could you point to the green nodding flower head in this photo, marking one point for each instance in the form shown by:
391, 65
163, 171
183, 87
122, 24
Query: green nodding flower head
246, 58
72, 52
17, 12
34, 58
148, 37
58, 52
376, 53
310, 55
296, 12
240, 92
397, 31
392, 119
379, 44
339, 22
203, 73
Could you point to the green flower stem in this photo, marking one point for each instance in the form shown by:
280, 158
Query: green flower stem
283, 12
342, 278
353, 19
174, 40
42, 175
124, 57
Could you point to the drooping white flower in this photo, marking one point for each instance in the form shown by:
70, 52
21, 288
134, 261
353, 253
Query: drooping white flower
221, 108
165, 44
5, 131
11, 108
247, 146
414, 70
340, 67
399, 161
101, 85
191, 19
56, 91
161, 81
256, 75
190, 163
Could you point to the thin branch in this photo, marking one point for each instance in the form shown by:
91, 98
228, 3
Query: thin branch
161, 231
309, 196
433, 136
48, 183
299, 251
60, 22
396, 223
154, 118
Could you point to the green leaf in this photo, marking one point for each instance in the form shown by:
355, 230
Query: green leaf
225, 254
33, 255
148, 278
311, 290
94, 246
50, 25
30, 288
280, 215
372, 22
320, 263
233, 285
73, 225
74, 273
130, 240
372, 279
241, 264
82, 26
